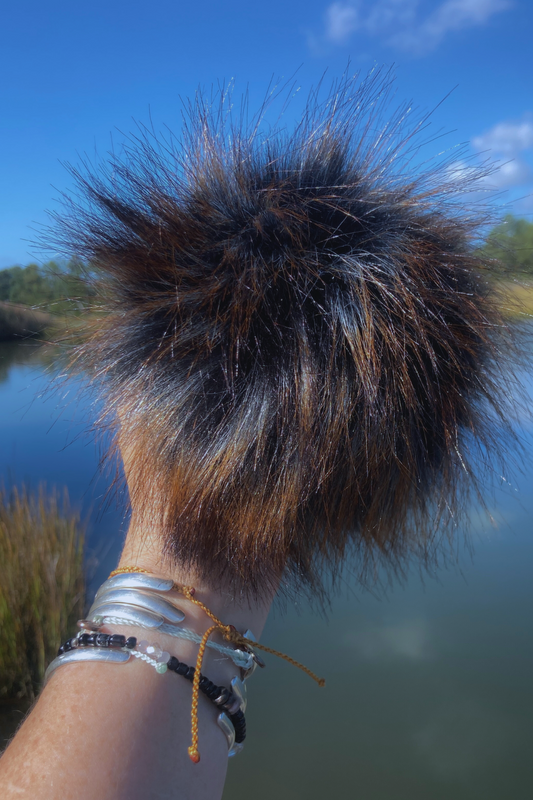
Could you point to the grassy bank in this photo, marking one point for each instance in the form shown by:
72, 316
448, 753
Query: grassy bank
42, 589
517, 298
19, 322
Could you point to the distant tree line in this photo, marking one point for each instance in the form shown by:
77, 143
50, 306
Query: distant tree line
511, 244
57, 287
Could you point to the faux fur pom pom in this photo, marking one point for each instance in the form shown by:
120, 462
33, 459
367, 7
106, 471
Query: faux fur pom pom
299, 337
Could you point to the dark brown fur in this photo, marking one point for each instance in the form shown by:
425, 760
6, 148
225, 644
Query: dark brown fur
300, 341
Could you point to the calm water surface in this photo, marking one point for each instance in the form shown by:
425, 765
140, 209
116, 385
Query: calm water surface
429, 685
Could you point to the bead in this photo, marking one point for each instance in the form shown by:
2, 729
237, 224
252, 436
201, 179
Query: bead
101, 639
142, 645
67, 646
161, 668
131, 641
88, 624
91, 639
61, 651
182, 669
83, 640
163, 658
173, 663
154, 651
222, 698
117, 640
190, 673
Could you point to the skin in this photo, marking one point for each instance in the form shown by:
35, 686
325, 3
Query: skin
111, 731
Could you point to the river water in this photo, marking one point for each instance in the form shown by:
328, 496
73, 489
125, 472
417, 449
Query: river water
429, 683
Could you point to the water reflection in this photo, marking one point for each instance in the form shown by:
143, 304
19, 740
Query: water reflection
45, 436
27, 352
428, 689
406, 639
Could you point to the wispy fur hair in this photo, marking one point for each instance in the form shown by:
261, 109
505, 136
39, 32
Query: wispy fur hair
299, 339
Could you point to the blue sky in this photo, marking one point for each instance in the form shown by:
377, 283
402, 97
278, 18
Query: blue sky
75, 78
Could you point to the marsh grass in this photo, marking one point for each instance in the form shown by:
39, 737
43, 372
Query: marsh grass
42, 587
20, 322
517, 298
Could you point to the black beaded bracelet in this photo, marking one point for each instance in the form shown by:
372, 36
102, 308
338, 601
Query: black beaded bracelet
223, 698
114, 640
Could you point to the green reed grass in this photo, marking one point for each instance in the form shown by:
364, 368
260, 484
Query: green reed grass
42, 586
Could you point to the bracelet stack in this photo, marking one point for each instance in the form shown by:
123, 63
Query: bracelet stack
230, 702
134, 597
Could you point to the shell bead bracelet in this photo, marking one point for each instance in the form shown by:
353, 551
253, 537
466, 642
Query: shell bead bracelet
133, 596
230, 703
144, 601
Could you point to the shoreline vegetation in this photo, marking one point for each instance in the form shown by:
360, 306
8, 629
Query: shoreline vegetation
517, 298
42, 591
37, 301
19, 322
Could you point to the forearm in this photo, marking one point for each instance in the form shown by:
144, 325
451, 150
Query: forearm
122, 730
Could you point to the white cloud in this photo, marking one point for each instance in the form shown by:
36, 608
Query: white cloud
454, 15
499, 175
399, 24
505, 143
510, 173
408, 639
506, 138
341, 21
461, 172
450, 16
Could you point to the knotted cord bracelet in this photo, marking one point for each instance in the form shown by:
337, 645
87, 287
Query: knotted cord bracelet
224, 699
230, 634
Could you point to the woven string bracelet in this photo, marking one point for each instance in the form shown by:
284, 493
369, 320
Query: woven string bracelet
231, 635
224, 699
142, 600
